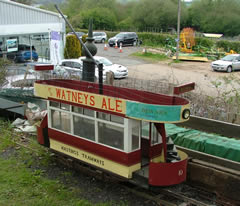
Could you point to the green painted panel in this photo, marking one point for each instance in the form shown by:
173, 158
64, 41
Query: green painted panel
150, 112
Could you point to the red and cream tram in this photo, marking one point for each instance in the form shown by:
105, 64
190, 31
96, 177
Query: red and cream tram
120, 131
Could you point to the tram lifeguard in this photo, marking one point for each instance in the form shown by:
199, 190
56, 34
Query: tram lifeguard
106, 130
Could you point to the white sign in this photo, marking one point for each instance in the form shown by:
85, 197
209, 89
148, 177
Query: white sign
55, 48
12, 45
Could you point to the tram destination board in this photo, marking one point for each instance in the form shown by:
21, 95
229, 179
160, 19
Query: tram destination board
184, 88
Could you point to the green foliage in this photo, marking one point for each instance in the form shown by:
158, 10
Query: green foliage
72, 48
219, 16
229, 45
3, 66
103, 18
156, 39
227, 89
157, 13
204, 42
84, 38
151, 56
27, 2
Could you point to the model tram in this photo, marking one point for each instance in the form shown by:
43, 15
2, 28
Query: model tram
120, 131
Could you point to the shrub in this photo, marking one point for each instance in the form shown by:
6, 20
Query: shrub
3, 69
72, 48
229, 45
204, 42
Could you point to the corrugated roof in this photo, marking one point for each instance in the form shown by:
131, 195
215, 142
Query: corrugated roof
16, 13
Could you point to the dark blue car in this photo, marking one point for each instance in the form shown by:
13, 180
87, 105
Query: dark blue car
23, 56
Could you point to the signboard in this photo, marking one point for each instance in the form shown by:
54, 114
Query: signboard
12, 45
55, 47
184, 88
131, 109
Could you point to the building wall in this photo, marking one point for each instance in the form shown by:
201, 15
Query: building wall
27, 24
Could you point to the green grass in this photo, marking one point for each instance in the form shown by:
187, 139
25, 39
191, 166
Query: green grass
22, 185
151, 56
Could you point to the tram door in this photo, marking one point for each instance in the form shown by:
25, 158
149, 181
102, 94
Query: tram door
151, 142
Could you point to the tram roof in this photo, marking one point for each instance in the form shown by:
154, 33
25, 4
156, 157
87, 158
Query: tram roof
117, 92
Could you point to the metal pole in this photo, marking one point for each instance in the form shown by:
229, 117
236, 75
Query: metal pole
85, 48
100, 76
178, 28
100, 66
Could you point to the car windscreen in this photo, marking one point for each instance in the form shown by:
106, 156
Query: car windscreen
120, 35
228, 58
105, 62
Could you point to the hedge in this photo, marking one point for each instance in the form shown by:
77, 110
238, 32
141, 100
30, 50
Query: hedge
72, 48
161, 39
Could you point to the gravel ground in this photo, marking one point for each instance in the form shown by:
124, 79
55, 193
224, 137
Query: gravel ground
177, 73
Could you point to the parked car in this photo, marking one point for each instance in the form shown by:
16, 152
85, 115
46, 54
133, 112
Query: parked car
99, 36
119, 71
27, 55
23, 54
73, 68
228, 63
79, 34
124, 38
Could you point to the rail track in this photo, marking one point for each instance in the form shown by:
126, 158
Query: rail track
188, 194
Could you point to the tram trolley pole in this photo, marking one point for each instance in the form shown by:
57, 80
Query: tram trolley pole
90, 50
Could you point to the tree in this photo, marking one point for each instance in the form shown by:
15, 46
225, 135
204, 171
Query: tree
219, 16
157, 13
27, 2
103, 18
72, 48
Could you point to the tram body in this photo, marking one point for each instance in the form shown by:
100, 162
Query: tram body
120, 131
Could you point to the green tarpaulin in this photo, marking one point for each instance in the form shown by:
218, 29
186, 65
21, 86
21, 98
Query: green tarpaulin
228, 148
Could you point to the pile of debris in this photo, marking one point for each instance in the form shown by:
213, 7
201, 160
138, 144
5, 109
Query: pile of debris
33, 115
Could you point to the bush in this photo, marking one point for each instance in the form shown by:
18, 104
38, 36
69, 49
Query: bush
229, 45
204, 42
3, 69
155, 39
72, 48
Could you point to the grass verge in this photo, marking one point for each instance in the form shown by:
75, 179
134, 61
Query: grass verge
24, 183
151, 56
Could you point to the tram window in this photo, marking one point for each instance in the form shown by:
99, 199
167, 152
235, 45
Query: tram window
77, 110
117, 119
111, 135
61, 120
156, 138
88, 112
65, 107
84, 127
54, 104
135, 135
104, 116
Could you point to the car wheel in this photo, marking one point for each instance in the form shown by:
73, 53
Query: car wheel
110, 45
103, 40
229, 69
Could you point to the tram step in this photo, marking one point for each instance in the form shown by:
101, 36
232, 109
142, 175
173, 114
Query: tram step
170, 146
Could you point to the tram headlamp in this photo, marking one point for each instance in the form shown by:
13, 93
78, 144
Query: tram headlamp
186, 114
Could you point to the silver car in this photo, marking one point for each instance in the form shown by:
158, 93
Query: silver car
100, 36
73, 68
228, 63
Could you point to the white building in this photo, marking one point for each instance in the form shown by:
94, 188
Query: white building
25, 25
